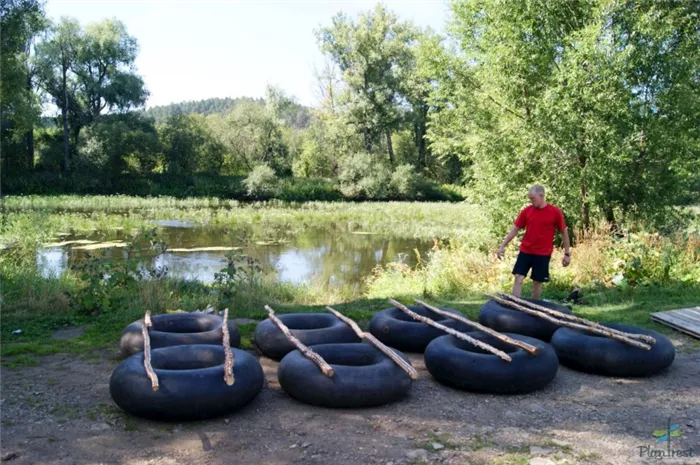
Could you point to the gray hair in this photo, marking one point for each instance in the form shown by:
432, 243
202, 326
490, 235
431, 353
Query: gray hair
537, 189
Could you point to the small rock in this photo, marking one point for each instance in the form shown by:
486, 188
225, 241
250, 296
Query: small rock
305, 445
534, 450
541, 461
227, 421
417, 454
315, 457
10, 456
437, 446
293, 446
390, 463
99, 427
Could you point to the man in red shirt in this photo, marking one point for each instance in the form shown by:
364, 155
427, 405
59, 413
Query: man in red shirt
540, 220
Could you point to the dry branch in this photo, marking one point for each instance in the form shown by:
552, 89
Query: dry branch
566, 316
147, 351
308, 353
403, 364
451, 331
228, 363
603, 332
502, 337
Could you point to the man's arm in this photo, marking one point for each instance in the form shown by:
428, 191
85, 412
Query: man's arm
513, 232
567, 253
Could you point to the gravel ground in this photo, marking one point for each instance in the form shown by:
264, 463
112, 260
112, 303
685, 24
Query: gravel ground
60, 412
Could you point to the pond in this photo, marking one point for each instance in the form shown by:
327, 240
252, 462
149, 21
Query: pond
326, 257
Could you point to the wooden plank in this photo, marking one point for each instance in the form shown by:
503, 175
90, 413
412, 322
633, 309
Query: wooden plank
688, 321
686, 314
676, 323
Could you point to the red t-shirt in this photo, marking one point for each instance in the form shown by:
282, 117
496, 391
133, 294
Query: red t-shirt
541, 225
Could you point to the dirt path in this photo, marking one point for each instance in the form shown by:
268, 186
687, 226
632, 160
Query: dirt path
60, 412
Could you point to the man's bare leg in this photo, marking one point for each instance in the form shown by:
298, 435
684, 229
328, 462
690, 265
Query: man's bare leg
518, 285
536, 290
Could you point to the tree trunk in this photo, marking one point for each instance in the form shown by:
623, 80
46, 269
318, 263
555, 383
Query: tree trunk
30, 148
390, 147
64, 115
368, 140
585, 205
420, 130
30, 134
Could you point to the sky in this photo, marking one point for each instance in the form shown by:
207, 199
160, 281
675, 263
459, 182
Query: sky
193, 50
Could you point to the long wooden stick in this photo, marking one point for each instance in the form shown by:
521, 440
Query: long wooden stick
566, 316
457, 334
228, 363
308, 353
502, 337
147, 351
405, 366
602, 332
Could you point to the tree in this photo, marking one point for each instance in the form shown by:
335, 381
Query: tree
371, 53
20, 22
593, 99
89, 73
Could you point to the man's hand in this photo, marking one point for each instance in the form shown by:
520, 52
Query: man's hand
501, 252
565, 261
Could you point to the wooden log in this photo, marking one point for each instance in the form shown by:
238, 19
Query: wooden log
457, 334
566, 316
228, 363
147, 351
405, 366
592, 329
529, 348
326, 369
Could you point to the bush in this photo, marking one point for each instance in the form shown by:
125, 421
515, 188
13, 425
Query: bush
261, 182
308, 190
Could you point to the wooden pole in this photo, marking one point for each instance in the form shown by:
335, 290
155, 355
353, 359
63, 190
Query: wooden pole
228, 363
566, 316
405, 366
529, 348
457, 334
602, 332
308, 353
147, 351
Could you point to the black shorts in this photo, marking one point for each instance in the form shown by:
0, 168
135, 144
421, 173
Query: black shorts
538, 263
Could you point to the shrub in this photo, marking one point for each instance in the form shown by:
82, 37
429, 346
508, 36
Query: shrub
261, 182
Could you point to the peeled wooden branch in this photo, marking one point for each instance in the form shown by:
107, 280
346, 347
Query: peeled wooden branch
228, 363
308, 353
565, 316
147, 351
501, 337
603, 332
405, 366
451, 331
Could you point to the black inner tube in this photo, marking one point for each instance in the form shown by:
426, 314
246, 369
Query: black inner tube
187, 324
187, 360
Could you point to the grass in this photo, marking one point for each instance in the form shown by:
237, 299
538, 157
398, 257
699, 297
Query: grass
660, 273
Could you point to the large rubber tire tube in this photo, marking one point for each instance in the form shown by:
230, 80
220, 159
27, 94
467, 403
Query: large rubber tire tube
459, 364
309, 328
398, 330
363, 377
174, 329
508, 320
590, 353
191, 383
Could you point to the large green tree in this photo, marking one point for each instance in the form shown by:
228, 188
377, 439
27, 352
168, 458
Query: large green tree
598, 100
372, 54
89, 73
20, 22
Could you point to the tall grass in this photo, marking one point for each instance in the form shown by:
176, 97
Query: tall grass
102, 213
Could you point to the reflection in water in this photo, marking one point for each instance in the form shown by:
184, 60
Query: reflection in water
315, 256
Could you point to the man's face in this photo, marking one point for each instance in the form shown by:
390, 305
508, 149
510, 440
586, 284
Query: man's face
535, 199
